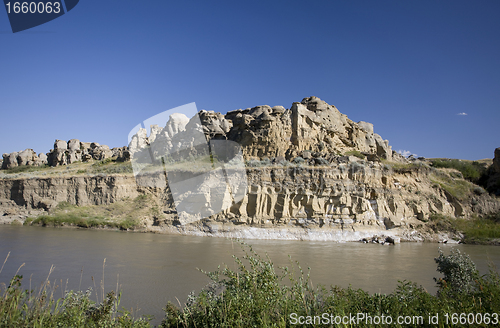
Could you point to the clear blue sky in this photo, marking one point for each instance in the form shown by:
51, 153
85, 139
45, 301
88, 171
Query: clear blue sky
408, 67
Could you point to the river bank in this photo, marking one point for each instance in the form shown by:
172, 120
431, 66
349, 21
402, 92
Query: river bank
152, 269
353, 201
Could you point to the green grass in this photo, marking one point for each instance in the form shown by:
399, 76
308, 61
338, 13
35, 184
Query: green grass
458, 188
71, 219
355, 153
476, 230
471, 171
109, 166
39, 308
25, 169
106, 166
122, 215
480, 230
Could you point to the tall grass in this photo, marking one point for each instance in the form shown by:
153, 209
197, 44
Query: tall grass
40, 308
71, 219
476, 230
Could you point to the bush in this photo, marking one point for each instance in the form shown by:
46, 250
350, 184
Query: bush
442, 223
460, 273
258, 163
259, 295
357, 167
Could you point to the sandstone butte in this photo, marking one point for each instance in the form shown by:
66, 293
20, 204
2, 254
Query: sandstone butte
312, 174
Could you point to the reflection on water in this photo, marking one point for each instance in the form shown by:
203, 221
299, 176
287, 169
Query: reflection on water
154, 269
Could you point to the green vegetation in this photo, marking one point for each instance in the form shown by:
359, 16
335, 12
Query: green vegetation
459, 272
108, 166
471, 171
122, 215
25, 169
405, 167
71, 219
458, 188
355, 153
478, 230
39, 308
259, 295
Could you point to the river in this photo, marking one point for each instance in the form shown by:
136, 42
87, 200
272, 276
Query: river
152, 269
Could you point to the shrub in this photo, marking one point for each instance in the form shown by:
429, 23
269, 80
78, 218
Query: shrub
440, 223
256, 294
458, 270
256, 163
298, 160
479, 190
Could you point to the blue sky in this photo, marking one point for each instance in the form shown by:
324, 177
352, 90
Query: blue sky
408, 67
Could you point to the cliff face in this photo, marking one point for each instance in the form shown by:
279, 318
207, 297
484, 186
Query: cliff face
300, 181
342, 203
45, 193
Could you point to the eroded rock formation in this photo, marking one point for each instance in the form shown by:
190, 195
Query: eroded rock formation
311, 182
311, 126
65, 153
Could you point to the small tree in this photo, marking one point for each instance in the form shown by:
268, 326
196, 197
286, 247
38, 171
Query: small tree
459, 272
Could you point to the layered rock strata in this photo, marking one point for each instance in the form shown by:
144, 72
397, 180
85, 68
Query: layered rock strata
343, 203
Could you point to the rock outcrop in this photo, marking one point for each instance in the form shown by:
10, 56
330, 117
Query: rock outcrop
311, 173
65, 153
309, 127
25, 157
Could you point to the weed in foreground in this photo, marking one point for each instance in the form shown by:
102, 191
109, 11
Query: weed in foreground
258, 295
39, 308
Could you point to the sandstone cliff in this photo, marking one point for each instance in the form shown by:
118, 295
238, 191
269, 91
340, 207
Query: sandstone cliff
311, 174
309, 127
